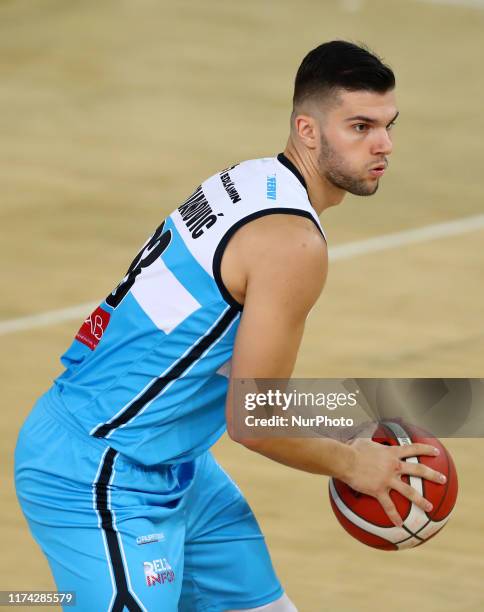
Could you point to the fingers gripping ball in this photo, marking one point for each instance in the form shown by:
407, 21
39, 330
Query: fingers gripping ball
364, 518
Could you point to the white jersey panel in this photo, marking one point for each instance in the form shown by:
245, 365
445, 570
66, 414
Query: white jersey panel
165, 314
228, 199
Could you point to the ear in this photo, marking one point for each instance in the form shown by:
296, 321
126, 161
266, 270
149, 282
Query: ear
307, 130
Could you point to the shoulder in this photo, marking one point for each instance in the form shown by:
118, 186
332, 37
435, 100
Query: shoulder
283, 240
277, 258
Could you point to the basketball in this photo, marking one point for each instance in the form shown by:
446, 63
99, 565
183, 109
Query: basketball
364, 518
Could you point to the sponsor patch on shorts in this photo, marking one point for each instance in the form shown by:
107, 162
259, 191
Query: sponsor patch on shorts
152, 537
158, 571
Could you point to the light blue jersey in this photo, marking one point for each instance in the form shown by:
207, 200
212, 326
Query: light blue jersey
112, 469
148, 370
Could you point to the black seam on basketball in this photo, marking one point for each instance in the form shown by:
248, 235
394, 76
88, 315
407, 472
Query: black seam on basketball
423, 526
404, 540
412, 534
435, 532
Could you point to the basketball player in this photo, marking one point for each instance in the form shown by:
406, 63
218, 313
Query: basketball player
113, 468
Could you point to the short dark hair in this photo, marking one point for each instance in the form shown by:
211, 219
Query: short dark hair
341, 65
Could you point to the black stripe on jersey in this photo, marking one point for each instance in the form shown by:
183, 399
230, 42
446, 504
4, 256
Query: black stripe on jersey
123, 598
290, 166
176, 371
219, 252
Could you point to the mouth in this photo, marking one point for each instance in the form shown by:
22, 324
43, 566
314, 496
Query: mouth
378, 170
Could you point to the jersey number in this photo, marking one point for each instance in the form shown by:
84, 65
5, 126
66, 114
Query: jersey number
148, 255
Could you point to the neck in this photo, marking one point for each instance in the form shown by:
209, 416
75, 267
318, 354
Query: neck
322, 194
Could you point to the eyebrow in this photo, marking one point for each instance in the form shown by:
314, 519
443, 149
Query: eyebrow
369, 119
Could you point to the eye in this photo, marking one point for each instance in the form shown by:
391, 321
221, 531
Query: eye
361, 128
390, 126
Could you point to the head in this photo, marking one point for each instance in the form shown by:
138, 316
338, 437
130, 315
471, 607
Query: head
344, 110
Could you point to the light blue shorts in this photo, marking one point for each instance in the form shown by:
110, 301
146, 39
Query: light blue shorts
127, 537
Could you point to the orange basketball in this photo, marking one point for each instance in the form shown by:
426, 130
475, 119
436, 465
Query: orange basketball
364, 518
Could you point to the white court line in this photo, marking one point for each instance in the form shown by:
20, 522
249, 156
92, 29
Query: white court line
337, 253
458, 3
47, 318
354, 6
392, 241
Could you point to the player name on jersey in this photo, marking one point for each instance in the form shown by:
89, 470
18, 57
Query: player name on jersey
197, 213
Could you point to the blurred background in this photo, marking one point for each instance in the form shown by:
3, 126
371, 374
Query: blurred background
112, 113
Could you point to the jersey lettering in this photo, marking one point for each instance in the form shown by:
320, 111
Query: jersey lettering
197, 213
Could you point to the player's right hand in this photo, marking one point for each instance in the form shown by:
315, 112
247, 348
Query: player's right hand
376, 469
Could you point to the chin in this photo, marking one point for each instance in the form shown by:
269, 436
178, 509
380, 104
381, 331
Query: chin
372, 189
367, 191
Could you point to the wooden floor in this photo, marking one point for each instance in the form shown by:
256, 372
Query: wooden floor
111, 113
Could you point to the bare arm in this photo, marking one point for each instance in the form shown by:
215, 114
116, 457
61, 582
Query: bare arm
286, 266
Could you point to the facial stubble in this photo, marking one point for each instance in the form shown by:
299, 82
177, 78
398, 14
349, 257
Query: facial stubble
333, 167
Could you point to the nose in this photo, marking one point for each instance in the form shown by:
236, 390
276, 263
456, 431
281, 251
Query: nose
382, 144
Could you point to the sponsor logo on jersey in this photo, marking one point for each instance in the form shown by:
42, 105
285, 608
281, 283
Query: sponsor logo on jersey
229, 186
271, 187
148, 539
197, 214
93, 328
158, 571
